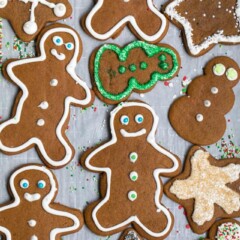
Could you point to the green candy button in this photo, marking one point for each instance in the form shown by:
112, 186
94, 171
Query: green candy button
132, 67
163, 65
122, 69
143, 65
132, 196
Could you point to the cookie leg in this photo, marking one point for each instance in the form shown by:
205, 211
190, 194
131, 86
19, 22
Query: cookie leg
152, 27
154, 224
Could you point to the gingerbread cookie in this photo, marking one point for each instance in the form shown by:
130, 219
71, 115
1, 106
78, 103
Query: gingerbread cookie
130, 234
207, 188
117, 72
132, 163
226, 229
28, 17
49, 85
108, 18
205, 24
33, 214
199, 116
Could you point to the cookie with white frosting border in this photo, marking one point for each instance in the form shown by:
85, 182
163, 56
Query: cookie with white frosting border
28, 17
207, 188
199, 117
108, 18
131, 164
48, 87
32, 212
225, 229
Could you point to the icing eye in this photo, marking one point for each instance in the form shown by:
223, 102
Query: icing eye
57, 40
219, 69
139, 118
69, 46
41, 184
232, 74
24, 183
124, 120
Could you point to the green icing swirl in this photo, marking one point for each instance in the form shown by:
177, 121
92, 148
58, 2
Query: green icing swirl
150, 51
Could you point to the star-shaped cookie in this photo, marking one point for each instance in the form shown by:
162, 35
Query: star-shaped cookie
207, 189
206, 24
28, 17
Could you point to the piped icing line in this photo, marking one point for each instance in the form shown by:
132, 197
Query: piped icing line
218, 37
150, 50
71, 70
156, 173
45, 202
129, 18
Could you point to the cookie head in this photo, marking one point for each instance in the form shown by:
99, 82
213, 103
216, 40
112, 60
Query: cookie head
32, 183
133, 119
61, 45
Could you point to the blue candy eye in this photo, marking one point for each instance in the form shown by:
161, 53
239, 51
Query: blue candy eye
139, 118
57, 40
69, 46
24, 183
41, 184
124, 120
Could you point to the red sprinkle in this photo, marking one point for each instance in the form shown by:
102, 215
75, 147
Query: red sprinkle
187, 226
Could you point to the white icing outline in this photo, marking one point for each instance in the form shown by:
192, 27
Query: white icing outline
216, 38
59, 56
130, 19
156, 173
70, 68
45, 202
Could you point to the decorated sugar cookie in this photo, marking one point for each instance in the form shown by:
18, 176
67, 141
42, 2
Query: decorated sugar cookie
49, 85
205, 24
199, 116
28, 17
132, 163
108, 18
226, 229
137, 67
33, 214
207, 188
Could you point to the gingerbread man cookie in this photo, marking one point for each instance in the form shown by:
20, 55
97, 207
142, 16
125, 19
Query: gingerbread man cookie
199, 116
32, 214
226, 229
108, 18
207, 188
205, 24
49, 85
28, 17
131, 187
117, 72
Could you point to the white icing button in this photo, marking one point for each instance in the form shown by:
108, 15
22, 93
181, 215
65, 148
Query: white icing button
30, 27
43, 105
214, 90
3, 3
132, 196
134, 176
54, 82
219, 69
232, 74
207, 103
34, 237
60, 10
32, 223
133, 157
40, 122
199, 117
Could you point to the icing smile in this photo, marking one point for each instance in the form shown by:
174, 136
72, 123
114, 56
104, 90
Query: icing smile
59, 56
32, 197
133, 134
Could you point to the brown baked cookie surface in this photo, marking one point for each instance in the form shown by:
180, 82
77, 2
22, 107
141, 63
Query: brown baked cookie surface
48, 86
32, 213
207, 188
28, 17
108, 18
132, 163
205, 23
225, 229
130, 234
199, 116
137, 67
